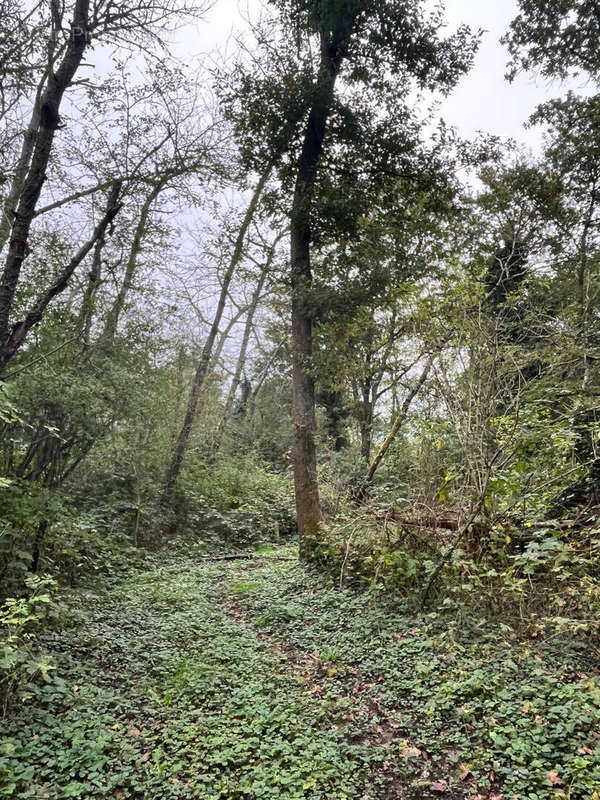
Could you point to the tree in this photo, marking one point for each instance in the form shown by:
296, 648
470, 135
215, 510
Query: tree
265, 270
556, 37
369, 284
130, 22
376, 49
400, 418
202, 367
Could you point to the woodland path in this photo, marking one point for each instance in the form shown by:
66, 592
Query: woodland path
256, 678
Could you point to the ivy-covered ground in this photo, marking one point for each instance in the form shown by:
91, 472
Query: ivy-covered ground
257, 679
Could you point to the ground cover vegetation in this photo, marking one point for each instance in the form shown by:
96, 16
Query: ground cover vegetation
299, 417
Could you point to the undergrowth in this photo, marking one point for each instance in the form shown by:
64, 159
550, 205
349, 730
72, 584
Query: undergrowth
258, 678
544, 580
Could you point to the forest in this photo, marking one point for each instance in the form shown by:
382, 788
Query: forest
299, 405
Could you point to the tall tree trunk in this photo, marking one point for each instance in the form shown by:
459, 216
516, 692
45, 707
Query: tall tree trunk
51, 99
112, 318
308, 508
241, 360
361, 492
89, 298
583, 285
16, 187
366, 421
182, 442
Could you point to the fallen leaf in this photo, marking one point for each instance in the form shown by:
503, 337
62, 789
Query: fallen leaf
553, 777
439, 786
145, 758
585, 751
411, 752
134, 732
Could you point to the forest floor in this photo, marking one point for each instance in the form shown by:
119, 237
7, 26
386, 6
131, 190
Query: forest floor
256, 678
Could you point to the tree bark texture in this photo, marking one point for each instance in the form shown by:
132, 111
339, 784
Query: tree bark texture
112, 319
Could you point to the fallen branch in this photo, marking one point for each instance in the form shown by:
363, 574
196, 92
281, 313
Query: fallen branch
248, 557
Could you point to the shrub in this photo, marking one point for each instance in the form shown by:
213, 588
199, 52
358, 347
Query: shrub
20, 663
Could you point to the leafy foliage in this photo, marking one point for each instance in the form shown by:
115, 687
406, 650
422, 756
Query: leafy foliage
20, 662
257, 678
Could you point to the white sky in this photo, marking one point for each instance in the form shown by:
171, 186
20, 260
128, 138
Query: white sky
483, 101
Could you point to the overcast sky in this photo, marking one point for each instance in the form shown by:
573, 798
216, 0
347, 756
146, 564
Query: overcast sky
484, 100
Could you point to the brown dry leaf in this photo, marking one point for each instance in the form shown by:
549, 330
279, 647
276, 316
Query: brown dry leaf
411, 752
145, 758
439, 786
553, 778
464, 772
585, 751
134, 732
